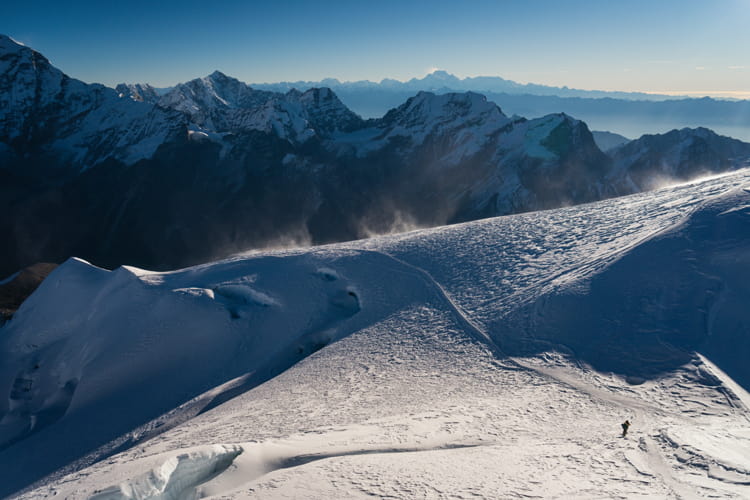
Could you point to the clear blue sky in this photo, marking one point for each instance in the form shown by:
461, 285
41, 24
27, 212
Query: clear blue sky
698, 46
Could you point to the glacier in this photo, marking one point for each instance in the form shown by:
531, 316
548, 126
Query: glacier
492, 358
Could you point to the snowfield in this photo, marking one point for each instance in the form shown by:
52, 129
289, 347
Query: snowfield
492, 359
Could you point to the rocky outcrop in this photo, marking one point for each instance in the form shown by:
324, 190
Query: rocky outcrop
15, 289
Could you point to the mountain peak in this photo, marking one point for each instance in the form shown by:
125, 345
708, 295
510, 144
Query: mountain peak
441, 74
218, 75
438, 79
7, 44
16, 51
140, 92
450, 104
326, 112
321, 94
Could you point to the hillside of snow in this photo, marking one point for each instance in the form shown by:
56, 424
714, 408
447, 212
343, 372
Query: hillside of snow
490, 359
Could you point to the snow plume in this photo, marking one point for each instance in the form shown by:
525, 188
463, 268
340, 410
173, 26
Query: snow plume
375, 368
298, 237
661, 181
397, 221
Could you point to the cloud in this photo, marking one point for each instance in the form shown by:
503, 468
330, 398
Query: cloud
700, 68
735, 67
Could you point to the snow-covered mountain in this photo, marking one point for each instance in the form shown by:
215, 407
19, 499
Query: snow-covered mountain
52, 125
141, 92
441, 81
493, 359
214, 167
219, 103
678, 155
629, 114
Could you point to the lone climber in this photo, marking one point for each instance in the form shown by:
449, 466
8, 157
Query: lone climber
625, 427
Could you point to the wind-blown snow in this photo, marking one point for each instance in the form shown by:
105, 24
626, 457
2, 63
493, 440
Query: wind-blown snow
494, 359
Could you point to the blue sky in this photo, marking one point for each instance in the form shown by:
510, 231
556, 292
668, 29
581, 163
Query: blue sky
679, 46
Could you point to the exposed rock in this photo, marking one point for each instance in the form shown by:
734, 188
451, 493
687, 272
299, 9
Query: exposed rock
15, 290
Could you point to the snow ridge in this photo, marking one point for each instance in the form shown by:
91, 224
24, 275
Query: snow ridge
403, 343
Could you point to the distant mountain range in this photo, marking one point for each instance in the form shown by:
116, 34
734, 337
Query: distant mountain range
440, 80
214, 166
628, 113
631, 114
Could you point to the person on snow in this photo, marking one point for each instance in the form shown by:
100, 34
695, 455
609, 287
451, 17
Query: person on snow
625, 427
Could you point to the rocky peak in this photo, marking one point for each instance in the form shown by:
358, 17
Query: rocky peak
8, 45
325, 111
215, 100
678, 155
456, 109
440, 79
677, 140
28, 82
139, 92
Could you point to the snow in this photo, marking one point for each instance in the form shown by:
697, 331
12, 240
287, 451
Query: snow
470, 122
91, 122
175, 476
220, 104
428, 114
491, 359
7, 43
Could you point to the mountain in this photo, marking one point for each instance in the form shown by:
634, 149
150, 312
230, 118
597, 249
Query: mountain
214, 166
441, 81
141, 92
495, 358
678, 155
628, 114
219, 104
53, 126
608, 140
636, 118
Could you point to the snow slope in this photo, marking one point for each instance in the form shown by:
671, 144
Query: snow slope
490, 359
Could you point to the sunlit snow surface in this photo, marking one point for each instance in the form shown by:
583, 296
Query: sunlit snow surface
493, 359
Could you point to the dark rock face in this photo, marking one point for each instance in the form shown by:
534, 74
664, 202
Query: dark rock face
16, 289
